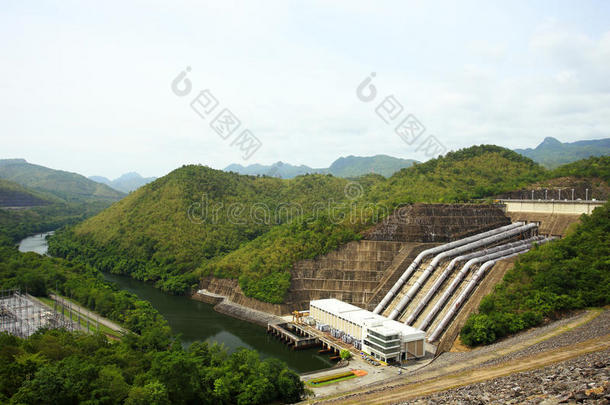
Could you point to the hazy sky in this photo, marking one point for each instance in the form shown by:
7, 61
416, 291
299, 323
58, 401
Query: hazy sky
86, 86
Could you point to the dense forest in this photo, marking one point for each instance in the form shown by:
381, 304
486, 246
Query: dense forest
148, 366
19, 223
568, 274
594, 167
198, 221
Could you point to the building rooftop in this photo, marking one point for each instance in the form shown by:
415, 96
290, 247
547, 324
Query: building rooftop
370, 320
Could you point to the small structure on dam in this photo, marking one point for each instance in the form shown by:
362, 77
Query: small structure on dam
374, 334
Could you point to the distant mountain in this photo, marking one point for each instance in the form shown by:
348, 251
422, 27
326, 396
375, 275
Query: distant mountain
278, 169
350, 166
66, 186
552, 153
126, 183
353, 166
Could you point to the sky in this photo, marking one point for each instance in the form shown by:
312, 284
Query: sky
93, 87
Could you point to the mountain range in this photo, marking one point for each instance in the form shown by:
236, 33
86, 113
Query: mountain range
350, 166
552, 153
126, 183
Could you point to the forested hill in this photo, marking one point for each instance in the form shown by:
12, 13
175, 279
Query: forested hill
16, 196
69, 187
197, 221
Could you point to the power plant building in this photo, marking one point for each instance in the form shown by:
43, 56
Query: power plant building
382, 338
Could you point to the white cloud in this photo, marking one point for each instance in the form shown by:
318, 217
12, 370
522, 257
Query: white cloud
86, 87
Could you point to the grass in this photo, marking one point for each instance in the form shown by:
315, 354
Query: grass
83, 318
330, 379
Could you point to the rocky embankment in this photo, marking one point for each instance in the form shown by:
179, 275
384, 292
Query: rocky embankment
581, 380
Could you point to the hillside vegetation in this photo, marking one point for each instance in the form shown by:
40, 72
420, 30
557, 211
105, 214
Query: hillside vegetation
69, 187
568, 274
148, 366
14, 195
594, 167
151, 236
165, 230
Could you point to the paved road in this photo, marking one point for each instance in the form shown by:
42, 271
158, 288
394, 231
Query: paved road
84, 311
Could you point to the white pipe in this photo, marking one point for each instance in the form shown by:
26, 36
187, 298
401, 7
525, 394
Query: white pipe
438, 249
449, 269
455, 251
471, 285
458, 279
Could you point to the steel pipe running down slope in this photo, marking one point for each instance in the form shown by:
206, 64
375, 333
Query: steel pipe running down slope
471, 285
441, 279
438, 249
453, 252
462, 273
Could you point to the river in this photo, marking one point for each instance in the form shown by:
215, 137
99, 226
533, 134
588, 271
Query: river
36, 243
193, 320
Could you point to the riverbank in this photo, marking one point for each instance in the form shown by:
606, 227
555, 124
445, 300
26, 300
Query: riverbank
229, 325
226, 307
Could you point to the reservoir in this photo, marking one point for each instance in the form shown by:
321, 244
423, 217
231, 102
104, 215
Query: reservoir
193, 320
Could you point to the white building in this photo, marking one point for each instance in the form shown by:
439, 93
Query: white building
384, 339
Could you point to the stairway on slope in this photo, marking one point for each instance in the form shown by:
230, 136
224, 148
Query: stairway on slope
350, 273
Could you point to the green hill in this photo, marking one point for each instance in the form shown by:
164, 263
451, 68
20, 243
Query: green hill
69, 187
46, 199
16, 196
159, 232
594, 167
552, 153
166, 229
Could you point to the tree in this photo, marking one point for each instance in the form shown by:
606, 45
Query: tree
345, 354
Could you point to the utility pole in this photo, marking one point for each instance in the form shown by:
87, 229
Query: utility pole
586, 194
572, 194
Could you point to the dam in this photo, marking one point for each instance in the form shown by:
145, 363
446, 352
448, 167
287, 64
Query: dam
426, 266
